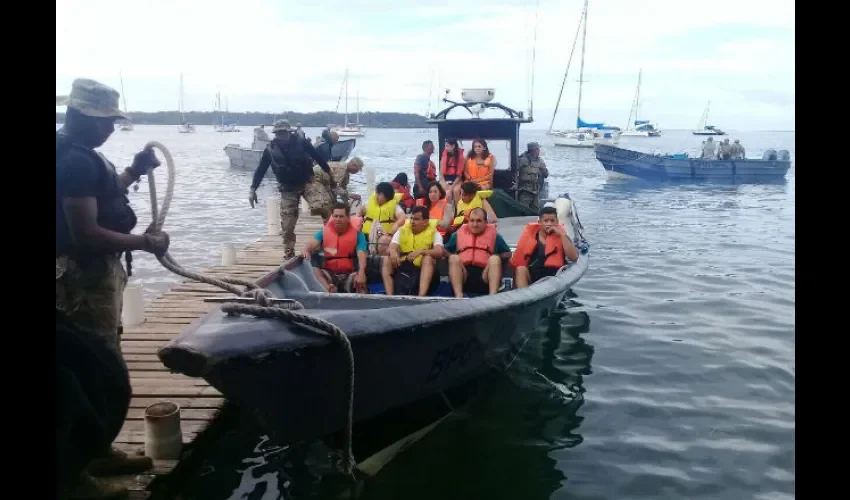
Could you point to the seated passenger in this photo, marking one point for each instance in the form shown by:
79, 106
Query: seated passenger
543, 248
382, 207
342, 244
478, 250
451, 166
424, 171
480, 165
401, 185
439, 207
411, 263
471, 197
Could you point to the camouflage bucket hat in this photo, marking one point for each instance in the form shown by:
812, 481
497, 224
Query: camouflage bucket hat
281, 125
94, 99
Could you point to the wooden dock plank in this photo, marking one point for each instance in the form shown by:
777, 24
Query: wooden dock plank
168, 315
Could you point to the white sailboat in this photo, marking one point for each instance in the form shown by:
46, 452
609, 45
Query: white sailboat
639, 128
124, 125
703, 128
348, 129
185, 127
586, 134
223, 126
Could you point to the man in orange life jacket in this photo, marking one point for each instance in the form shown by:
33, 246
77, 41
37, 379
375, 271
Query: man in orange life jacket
475, 265
543, 248
424, 171
341, 242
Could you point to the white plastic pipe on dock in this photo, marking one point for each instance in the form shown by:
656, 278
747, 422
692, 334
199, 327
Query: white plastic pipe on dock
133, 310
228, 254
163, 435
369, 173
273, 215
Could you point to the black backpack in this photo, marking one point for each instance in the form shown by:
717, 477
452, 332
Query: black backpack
290, 162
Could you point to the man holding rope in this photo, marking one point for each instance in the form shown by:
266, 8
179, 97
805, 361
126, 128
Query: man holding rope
93, 225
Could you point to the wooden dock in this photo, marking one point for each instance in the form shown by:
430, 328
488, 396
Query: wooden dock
165, 317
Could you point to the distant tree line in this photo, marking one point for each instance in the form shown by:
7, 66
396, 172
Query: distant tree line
319, 119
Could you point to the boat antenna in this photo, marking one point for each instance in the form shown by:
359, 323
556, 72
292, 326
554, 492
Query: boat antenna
566, 72
533, 59
430, 88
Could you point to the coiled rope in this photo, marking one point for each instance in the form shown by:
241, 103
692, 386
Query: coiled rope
263, 307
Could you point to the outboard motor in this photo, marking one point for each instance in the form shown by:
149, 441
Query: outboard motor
783, 155
770, 155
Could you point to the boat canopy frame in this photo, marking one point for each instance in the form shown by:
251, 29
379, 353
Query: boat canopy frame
499, 129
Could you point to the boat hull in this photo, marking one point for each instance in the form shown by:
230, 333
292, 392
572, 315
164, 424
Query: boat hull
249, 158
581, 140
658, 168
405, 349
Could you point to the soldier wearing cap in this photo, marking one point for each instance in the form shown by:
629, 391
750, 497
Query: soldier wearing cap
93, 228
532, 172
291, 157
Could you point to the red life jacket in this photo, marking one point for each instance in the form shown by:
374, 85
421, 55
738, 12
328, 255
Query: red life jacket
476, 250
526, 248
340, 249
451, 165
406, 199
430, 172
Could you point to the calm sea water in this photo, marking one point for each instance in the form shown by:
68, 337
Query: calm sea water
671, 375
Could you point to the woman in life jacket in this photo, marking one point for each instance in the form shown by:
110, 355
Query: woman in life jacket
382, 216
401, 185
542, 249
480, 165
439, 207
472, 197
451, 166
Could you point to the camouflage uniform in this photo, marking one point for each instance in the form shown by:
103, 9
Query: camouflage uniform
319, 194
528, 187
89, 291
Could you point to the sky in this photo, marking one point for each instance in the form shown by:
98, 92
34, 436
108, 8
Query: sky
281, 55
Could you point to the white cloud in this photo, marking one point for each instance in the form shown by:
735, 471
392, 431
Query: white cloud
275, 55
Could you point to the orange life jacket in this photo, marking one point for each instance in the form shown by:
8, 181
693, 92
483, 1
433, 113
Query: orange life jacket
356, 222
526, 248
453, 165
430, 172
340, 249
435, 212
480, 174
476, 250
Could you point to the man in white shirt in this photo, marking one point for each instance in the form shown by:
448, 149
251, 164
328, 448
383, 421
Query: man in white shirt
413, 254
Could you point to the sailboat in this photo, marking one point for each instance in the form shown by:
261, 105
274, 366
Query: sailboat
586, 134
703, 128
124, 125
223, 126
185, 127
640, 128
350, 130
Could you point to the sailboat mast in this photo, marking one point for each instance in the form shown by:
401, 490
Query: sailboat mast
358, 109
123, 95
566, 73
637, 96
346, 97
581, 70
180, 104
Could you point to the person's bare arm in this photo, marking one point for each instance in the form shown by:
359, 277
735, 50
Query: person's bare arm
81, 215
400, 218
570, 250
490, 212
309, 248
